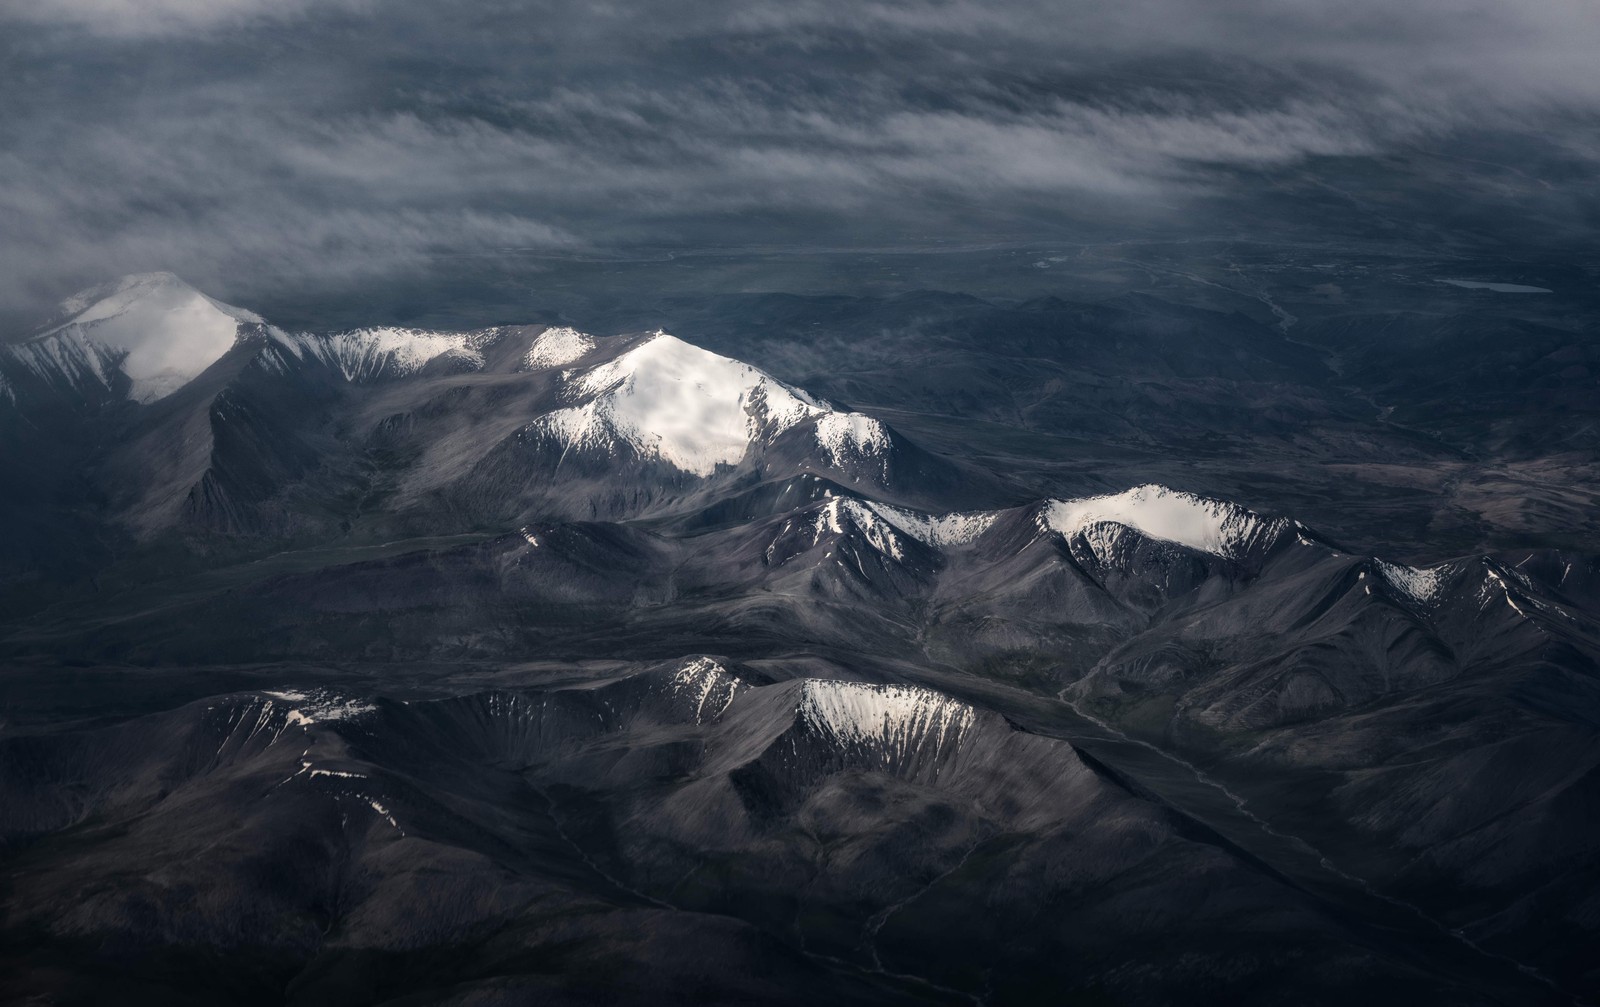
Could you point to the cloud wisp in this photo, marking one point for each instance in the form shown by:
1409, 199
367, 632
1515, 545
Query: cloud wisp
357, 138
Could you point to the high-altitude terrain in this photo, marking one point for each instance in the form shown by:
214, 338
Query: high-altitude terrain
904, 649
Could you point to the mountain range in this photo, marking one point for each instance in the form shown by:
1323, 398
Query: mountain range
401, 665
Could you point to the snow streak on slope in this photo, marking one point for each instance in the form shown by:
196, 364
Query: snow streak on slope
158, 330
851, 437
708, 685
557, 348
1423, 586
365, 354
893, 719
888, 530
879, 533
69, 356
1205, 525
938, 531
1517, 590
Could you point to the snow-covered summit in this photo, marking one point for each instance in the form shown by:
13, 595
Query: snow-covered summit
557, 347
668, 400
851, 440
153, 327
142, 292
1217, 527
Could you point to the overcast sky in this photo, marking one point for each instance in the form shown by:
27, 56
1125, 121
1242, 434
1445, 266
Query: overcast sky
296, 141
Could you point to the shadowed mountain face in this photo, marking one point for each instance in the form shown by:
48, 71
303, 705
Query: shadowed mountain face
785, 663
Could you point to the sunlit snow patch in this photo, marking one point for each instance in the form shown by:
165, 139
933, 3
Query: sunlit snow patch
937, 530
851, 437
1205, 525
558, 347
319, 706
706, 684
1421, 585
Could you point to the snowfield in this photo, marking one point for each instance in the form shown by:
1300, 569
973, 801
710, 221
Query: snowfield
1210, 526
557, 347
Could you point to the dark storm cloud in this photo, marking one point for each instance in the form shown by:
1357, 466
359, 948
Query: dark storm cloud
298, 140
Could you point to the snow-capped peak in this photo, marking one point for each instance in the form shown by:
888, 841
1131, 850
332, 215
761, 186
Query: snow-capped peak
851, 438
118, 297
693, 409
158, 330
670, 400
1199, 523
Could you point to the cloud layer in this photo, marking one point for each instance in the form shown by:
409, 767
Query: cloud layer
294, 141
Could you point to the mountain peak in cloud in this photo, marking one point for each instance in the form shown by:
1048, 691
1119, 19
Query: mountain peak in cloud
162, 331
